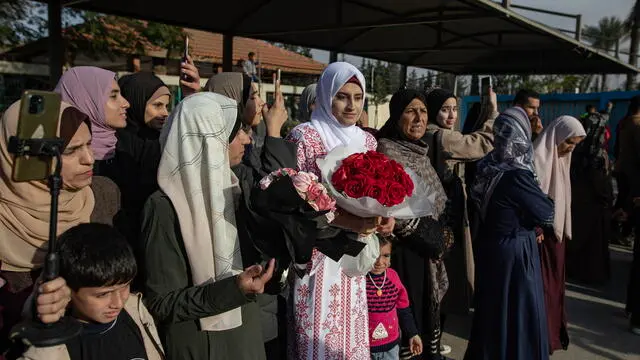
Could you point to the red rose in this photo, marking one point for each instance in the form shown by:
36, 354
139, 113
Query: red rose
377, 190
355, 187
407, 183
376, 156
395, 193
339, 177
349, 160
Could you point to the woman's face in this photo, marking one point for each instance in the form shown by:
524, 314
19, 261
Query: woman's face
566, 147
156, 112
413, 121
115, 110
77, 160
236, 147
347, 104
253, 107
448, 114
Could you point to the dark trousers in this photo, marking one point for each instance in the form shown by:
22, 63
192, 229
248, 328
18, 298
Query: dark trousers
633, 290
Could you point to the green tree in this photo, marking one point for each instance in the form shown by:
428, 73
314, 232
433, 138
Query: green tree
304, 51
412, 81
632, 26
605, 36
19, 22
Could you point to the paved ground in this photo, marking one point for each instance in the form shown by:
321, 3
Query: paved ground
598, 328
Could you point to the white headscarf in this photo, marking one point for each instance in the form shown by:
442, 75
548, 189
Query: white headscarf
331, 131
195, 174
554, 172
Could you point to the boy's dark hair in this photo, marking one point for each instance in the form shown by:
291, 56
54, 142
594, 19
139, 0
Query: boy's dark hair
95, 255
383, 240
591, 107
523, 96
251, 54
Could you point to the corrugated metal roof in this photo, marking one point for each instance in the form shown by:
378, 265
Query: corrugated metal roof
458, 36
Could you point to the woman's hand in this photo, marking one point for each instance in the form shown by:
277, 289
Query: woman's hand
415, 345
356, 224
189, 69
493, 101
386, 226
277, 115
52, 298
253, 279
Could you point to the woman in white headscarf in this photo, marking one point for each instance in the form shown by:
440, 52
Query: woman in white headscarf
195, 288
329, 306
553, 148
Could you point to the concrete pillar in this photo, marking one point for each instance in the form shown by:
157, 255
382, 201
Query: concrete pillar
56, 46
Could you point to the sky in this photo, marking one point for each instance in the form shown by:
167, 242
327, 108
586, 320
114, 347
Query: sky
592, 11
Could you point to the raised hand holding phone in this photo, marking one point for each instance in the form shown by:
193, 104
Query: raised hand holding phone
277, 115
189, 75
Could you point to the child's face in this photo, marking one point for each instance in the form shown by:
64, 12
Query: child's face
384, 260
99, 304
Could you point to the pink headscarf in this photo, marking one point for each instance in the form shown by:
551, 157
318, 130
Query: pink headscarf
87, 88
554, 171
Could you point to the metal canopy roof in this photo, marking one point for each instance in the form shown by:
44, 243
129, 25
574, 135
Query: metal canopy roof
457, 36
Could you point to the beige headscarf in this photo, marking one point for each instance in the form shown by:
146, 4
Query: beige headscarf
195, 174
554, 172
25, 206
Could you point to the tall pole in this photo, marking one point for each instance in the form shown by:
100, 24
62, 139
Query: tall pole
56, 48
227, 53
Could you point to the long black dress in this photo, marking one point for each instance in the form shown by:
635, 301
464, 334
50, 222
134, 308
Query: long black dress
509, 321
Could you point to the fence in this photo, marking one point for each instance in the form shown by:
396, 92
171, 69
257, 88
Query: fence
555, 105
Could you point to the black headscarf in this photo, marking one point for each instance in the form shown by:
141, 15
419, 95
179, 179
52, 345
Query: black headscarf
399, 101
435, 99
137, 89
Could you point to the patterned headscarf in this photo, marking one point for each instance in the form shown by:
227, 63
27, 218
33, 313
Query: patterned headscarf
591, 152
512, 149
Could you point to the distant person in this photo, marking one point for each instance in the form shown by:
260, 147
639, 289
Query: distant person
249, 67
529, 100
590, 109
363, 123
307, 103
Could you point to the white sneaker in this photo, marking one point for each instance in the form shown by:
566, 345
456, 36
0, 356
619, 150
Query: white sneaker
446, 349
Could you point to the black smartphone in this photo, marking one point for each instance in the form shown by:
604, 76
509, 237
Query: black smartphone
485, 85
39, 119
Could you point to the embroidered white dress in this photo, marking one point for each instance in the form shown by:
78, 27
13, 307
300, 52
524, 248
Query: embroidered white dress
329, 318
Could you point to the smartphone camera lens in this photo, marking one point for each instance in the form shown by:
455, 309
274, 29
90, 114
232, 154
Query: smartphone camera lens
36, 104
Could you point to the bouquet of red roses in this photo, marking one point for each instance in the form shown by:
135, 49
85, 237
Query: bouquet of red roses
374, 175
368, 183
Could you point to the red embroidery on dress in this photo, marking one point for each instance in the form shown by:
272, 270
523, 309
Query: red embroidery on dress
317, 310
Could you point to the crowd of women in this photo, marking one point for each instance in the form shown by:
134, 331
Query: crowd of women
179, 187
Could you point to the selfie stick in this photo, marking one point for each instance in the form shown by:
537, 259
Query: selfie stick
34, 332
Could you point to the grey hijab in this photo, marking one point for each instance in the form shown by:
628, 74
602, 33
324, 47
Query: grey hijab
512, 149
307, 98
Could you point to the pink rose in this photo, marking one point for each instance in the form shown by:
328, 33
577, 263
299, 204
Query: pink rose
314, 191
325, 202
302, 181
